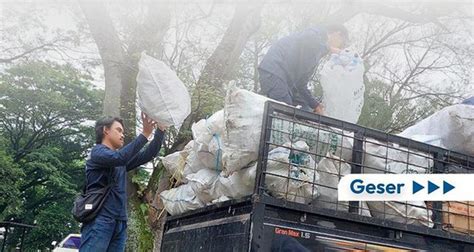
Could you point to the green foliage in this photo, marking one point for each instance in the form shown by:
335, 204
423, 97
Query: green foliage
393, 113
141, 178
11, 176
139, 232
376, 112
206, 100
54, 223
43, 111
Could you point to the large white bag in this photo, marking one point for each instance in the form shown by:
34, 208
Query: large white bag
161, 94
208, 136
180, 200
175, 163
320, 138
202, 182
289, 181
384, 158
331, 169
343, 86
193, 164
205, 129
453, 126
237, 185
414, 212
243, 113
379, 158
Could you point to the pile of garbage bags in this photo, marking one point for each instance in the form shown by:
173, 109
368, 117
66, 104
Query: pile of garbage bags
220, 162
304, 165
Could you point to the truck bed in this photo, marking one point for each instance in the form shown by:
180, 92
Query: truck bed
255, 224
262, 222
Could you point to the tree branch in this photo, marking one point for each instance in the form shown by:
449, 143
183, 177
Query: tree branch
37, 48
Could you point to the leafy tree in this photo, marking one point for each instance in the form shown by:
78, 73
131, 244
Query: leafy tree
44, 108
9, 191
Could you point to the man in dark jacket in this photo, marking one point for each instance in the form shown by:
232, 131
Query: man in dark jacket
468, 101
290, 63
108, 231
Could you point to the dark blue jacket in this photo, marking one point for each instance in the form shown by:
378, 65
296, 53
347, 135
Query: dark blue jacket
294, 59
129, 157
469, 101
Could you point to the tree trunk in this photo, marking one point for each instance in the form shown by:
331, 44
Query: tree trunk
111, 52
218, 70
157, 213
220, 66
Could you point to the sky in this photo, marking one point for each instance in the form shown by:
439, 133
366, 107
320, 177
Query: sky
65, 15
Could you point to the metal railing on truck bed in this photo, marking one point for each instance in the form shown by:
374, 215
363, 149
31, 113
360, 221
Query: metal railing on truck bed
321, 150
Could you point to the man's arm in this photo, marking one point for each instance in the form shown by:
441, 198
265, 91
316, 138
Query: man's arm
307, 96
107, 157
149, 153
312, 49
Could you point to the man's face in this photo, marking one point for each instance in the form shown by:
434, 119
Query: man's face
114, 135
336, 40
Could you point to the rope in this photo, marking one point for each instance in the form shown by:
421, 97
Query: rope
219, 152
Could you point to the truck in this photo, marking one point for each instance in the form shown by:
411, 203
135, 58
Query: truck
272, 221
71, 243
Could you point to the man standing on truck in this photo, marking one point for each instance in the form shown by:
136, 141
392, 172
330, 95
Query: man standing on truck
108, 231
468, 101
290, 63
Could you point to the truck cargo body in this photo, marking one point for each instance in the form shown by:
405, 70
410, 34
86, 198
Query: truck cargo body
270, 220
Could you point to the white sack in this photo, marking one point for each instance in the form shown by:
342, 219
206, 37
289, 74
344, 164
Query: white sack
418, 162
208, 133
161, 94
320, 138
210, 154
193, 164
292, 182
454, 126
343, 86
204, 129
180, 200
201, 182
394, 159
414, 213
235, 186
175, 162
243, 113
331, 169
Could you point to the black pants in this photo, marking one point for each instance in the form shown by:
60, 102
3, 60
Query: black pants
277, 89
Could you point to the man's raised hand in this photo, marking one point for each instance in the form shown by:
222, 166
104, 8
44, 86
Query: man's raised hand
319, 109
148, 125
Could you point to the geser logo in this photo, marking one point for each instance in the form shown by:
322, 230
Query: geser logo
358, 186
406, 187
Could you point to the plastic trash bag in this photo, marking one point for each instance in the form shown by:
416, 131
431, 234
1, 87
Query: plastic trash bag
161, 94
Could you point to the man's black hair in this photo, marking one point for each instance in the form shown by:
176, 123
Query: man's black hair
104, 122
335, 27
